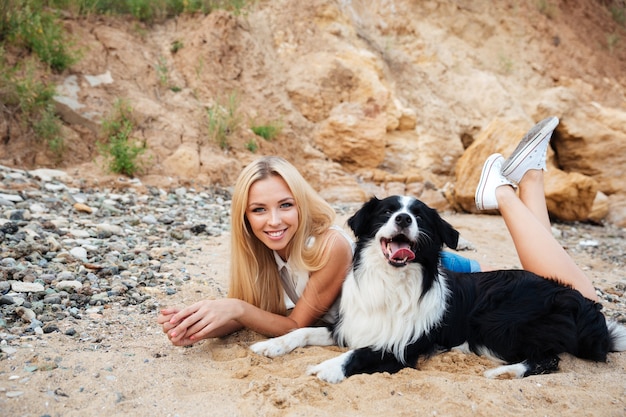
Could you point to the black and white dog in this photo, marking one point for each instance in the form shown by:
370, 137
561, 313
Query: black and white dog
399, 304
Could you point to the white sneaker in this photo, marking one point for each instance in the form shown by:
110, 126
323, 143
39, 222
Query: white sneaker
490, 178
531, 151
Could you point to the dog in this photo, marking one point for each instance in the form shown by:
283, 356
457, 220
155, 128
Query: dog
398, 304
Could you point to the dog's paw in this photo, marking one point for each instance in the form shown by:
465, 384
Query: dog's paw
331, 370
271, 348
513, 371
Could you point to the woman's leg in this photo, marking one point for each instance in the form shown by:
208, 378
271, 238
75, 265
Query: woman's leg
526, 215
538, 250
532, 193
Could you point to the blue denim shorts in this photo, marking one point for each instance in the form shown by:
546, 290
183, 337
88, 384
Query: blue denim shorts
458, 263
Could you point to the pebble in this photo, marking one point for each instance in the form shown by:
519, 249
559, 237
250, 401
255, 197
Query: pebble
67, 251
19, 286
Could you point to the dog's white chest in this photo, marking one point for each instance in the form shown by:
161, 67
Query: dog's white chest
384, 308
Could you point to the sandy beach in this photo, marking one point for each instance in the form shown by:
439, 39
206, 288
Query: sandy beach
131, 369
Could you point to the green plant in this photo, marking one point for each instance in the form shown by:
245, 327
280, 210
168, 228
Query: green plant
120, 150
48, 128
39, 30
267, 131
176, 46
151, 11
162, 71
612, 40
252, 146
223, 120
30, 100
546, 8
619, 14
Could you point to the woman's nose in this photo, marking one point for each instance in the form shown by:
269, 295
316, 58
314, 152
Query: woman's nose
274, 217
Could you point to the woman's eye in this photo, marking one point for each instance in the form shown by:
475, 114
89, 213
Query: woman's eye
258, 210
286, 205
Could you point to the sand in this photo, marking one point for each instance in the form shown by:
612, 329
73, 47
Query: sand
129, 367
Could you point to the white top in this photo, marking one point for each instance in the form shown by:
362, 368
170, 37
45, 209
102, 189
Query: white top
294, 281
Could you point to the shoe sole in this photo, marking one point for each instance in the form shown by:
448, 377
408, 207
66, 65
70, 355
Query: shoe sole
529, 143
484, 174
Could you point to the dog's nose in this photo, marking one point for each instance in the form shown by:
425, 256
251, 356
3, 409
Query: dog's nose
403, 220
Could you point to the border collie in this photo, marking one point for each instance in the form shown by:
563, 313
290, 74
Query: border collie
399, 304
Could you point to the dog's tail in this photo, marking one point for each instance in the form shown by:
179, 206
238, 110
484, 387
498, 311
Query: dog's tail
617, 336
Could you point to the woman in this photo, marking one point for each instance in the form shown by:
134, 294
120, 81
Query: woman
278, 220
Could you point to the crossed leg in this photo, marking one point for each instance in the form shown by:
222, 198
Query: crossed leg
526, 218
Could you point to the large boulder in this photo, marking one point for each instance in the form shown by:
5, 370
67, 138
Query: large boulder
569, 196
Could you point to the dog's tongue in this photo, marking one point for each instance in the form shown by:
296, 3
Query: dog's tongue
401, 251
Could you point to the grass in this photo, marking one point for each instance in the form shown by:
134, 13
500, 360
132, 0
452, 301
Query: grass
26, 24
547, 8
120, 150
149, 11
223, 119
267, 131
27, 99
618, 12
252, 146
612, 40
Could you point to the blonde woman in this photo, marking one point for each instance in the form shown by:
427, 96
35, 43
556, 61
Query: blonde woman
286, 257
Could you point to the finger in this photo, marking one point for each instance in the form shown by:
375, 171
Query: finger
162, 318
168, 311
182, 315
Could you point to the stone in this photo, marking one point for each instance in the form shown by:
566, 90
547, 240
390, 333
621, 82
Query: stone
19, 286
569, 196
352, 137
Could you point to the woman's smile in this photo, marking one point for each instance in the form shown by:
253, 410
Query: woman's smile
276, 234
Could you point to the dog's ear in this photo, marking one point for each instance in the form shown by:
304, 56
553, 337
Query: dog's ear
359, 221
449, 234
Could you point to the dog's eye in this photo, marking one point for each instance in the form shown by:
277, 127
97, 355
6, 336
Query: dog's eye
388, 212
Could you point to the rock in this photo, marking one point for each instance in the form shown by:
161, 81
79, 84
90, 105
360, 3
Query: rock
600, 207
71, 285
19, 286
26, 314
617, 211
79, 253
110, 229
569, 196
353, 137
185, 161
83, 208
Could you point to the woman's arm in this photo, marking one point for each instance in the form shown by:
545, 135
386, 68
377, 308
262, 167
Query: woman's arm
215, 318
324, 286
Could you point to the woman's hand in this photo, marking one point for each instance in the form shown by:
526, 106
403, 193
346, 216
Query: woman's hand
204, 319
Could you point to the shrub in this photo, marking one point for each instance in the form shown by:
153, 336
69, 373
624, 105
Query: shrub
268, 131
30, 101
223, 120
120, 150
39, 31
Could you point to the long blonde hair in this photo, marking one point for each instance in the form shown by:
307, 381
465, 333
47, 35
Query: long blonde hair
254, 276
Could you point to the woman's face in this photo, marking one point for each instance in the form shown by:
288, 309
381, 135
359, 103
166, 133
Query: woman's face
272, 213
